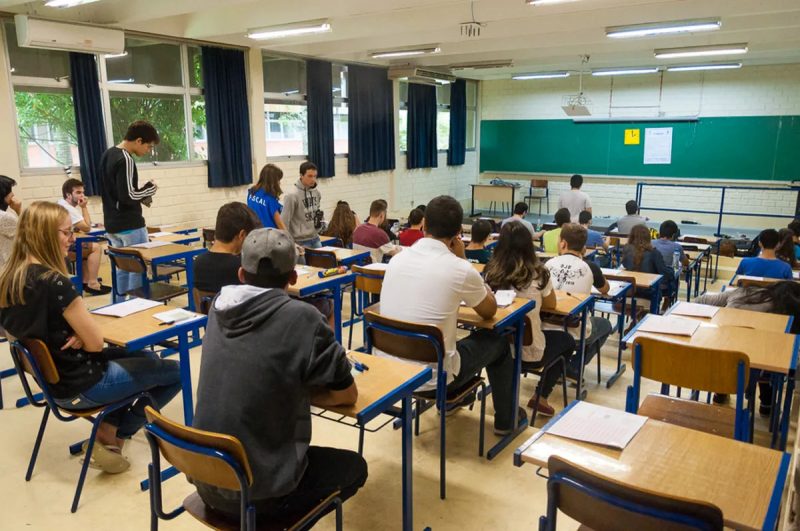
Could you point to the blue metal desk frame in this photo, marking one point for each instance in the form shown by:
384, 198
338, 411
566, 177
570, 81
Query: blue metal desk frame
96, 235
620, 296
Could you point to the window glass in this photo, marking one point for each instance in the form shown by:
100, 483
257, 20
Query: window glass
403, 125
471, 128
340, 135
46, 125
284, 76
31, 62
339, 83
195, 67
442, 129
200, 138
164, 111
286, 129
146, 62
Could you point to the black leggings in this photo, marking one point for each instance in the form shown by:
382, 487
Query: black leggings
558, 344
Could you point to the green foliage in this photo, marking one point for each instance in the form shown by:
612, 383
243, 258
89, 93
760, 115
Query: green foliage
54, 109
165, 112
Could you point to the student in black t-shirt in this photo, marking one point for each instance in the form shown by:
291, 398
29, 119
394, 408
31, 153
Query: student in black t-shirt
38, 301
220, 265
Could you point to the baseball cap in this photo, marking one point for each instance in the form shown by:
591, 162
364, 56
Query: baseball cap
274, 244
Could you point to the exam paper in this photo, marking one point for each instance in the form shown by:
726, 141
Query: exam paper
692, 309
175, 315
126, 308
328, 248
150, 245
598, 425
159, 234
504, 297
664, 324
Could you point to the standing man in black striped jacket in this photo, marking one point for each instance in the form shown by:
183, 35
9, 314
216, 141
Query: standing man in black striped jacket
122, 196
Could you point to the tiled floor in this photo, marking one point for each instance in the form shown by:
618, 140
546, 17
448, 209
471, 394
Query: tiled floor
481, 494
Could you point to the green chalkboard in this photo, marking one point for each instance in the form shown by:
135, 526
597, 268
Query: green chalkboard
754, 147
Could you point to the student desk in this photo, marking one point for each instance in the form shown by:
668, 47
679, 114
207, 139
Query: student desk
346, 256
745, 481
168, 254
185, 238
570, 305
492, 194
94, 235
618, 293
141, 329
310, 283
771, 351
713, 242
328, 241
508, 319
479, 267
387, 382
769, 322
643, 280
491, 241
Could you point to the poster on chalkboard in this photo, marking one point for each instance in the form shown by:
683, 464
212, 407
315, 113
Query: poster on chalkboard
658, 145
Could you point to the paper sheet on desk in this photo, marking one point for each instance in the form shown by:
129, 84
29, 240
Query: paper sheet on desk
692, 309
150, 245
328, 248
663, 324
175, 316
613, 287
504, 297
159, 234
598, 425
123, 309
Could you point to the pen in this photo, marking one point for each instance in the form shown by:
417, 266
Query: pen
360, 367
166, 323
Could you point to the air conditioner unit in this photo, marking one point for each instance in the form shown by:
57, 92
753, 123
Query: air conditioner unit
416, 74
50, 35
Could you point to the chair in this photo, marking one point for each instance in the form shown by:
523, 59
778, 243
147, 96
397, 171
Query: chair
214, 459
539, 368
754, 282
132, 262
672, 363
208, 237
541, 186
604, 504
319, 258
424, 343
32, 357
366, 290
202, 300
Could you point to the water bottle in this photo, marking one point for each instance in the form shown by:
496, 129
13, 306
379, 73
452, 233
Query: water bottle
538, 224
676, 262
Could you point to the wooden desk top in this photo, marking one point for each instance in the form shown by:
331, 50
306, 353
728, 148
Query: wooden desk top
698, 246
771, 351
479, 267
615, 287
468, 316
176, 238
123, 330
566, 303
343, 253
770, 322
736, 477
307, 279
642, 279
384, 375
159, 252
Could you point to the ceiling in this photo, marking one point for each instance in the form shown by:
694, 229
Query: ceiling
542, 38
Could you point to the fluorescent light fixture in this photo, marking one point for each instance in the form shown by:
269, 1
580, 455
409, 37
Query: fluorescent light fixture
407, 52
663, 28
290, 92
129, 80
481, 65
701, 51
290, 30
546, 2
691, 68
540, 75
67, 3
115, 55
625, 71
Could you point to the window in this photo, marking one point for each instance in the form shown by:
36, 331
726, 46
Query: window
442, 117
45, 115
402, 119
160, 82
285, 113
340, 112
472, 113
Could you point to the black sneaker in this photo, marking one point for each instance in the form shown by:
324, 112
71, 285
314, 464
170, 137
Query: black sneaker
765, 410
521, 417
720, 398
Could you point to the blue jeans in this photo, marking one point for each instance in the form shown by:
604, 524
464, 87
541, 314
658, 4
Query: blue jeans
313, 243
127, 374
127, 281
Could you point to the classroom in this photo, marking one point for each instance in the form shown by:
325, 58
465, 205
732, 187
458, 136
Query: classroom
440, 265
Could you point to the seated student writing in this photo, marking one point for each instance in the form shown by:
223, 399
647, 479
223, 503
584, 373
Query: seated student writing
476, 250
570, 272
38, 301
343, 223
266, 358
414, 231
551, 237
640, 255
781, 298
370, 236
767, 263
631, 219
794, 226
785, 248
426, 284
220, 265
514, 265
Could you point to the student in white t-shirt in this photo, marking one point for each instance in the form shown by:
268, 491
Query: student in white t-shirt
571, 273
426, 284
75, 202
514, 265
575, 200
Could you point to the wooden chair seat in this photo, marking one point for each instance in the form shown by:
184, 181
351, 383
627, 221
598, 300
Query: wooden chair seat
708, 418
159, 291
196, 507
82, 413
169, 270
456, 395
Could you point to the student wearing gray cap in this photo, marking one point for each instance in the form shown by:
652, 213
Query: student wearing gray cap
264, 356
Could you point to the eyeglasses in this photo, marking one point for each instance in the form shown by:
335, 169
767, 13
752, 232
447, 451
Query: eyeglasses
67, 232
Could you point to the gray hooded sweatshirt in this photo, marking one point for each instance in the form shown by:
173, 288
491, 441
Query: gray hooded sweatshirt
299, 205
263, 352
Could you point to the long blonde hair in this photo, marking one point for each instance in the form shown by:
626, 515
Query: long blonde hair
36, 239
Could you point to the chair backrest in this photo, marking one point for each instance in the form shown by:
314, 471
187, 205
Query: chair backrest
202, 300
36, 352
323, 259
747, 282
125, 260
404, 339
367, 279
603, 504
208, 237
151, 230
527, 334
538, 183
183, 447
690, 367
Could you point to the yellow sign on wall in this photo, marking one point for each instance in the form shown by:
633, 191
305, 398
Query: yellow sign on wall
631, 137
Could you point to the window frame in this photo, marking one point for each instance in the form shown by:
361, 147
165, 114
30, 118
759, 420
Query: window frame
282, 98
337, 102
475, 110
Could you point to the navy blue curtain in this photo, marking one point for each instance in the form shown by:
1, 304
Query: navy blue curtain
88, 118
421, 139
370, 125
227, 117
319, 98
457, 150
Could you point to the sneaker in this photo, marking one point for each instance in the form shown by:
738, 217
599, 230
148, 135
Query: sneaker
765, 410
521, 417
720, 398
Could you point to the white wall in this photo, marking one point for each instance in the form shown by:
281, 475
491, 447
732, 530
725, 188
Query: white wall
750, 91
